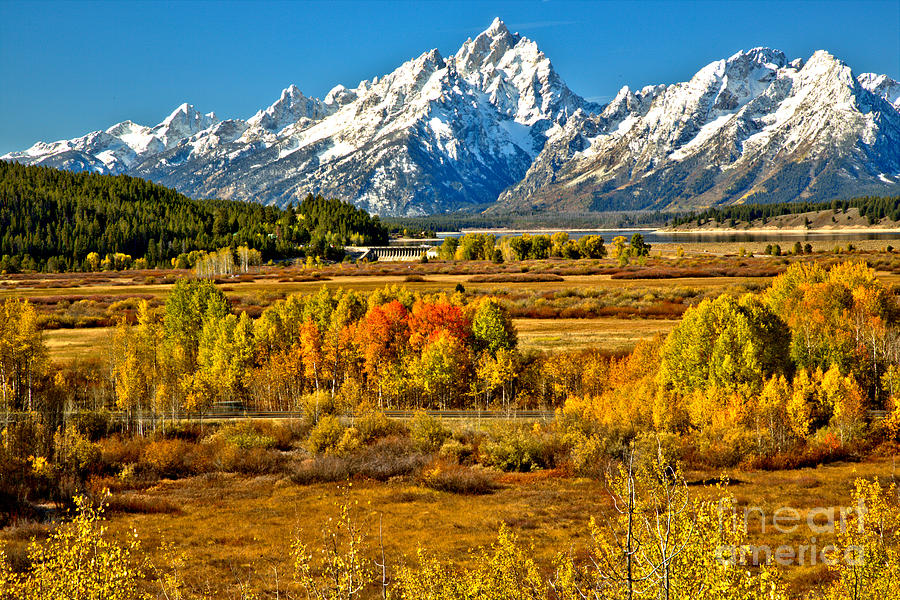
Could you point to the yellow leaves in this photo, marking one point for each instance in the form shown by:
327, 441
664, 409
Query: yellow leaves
201, 391
838, 316
41, 467
441, 364
891, 385
867, 554
497, 372
92, 261
618, 247
342, 570
803, 403
656, 541
22, 352
78, 562
505, 571
846, 401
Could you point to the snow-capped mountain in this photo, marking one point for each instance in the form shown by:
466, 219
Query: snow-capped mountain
495, 124
435, 134
753, 127
120, 147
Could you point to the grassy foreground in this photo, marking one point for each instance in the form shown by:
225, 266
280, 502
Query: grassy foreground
237, 530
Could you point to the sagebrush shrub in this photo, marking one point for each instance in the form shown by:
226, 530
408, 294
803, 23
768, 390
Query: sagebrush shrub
167, 458
428, 432
326, 435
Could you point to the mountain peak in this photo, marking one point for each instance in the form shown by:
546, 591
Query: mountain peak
883, 86
822, 59
825, 66
290, 107
182, 109
486, 49
770, 57
186, 113
497, 28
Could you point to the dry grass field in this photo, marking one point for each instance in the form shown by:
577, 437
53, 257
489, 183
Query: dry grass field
711, 246
67, 345
236, 529
613, 336
429, 283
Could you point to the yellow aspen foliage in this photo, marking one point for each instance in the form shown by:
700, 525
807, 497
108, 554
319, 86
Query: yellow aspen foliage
22, 353
837, 316
594, 373
312, 353
136, 363
78, 562
506, 571
431, 579
559, 377
771, 420
659, 542
803, 404
845, 401
339, 568
439, 368
497, 373
890, 383
201, 392
622, 405
866, 560
92, 261
619, 246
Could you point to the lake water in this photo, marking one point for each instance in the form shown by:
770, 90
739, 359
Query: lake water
655, 236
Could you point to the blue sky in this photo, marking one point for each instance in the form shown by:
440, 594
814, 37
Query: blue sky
67, 68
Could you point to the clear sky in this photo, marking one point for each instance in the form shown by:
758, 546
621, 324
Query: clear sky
67, 68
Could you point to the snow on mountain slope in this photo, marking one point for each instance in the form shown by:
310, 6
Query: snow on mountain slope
882, 85
432, 135
419, 139
751, 126
517, 77
494, 123
119, 147
291, 107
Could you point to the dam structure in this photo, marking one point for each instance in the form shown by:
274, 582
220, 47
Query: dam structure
393, 253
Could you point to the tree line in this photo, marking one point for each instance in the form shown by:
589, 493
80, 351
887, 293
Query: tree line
486, 246
805, 359
51, 220
875, 208
394, 349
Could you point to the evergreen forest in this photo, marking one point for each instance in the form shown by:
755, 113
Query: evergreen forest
51, 220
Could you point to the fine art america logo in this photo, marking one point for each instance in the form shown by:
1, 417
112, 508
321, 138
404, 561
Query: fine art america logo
818, 522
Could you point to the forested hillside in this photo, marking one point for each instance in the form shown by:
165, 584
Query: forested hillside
875, 208
51, 220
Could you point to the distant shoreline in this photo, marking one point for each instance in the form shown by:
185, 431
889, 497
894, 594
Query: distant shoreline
507, 231
670, 231
771, 230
